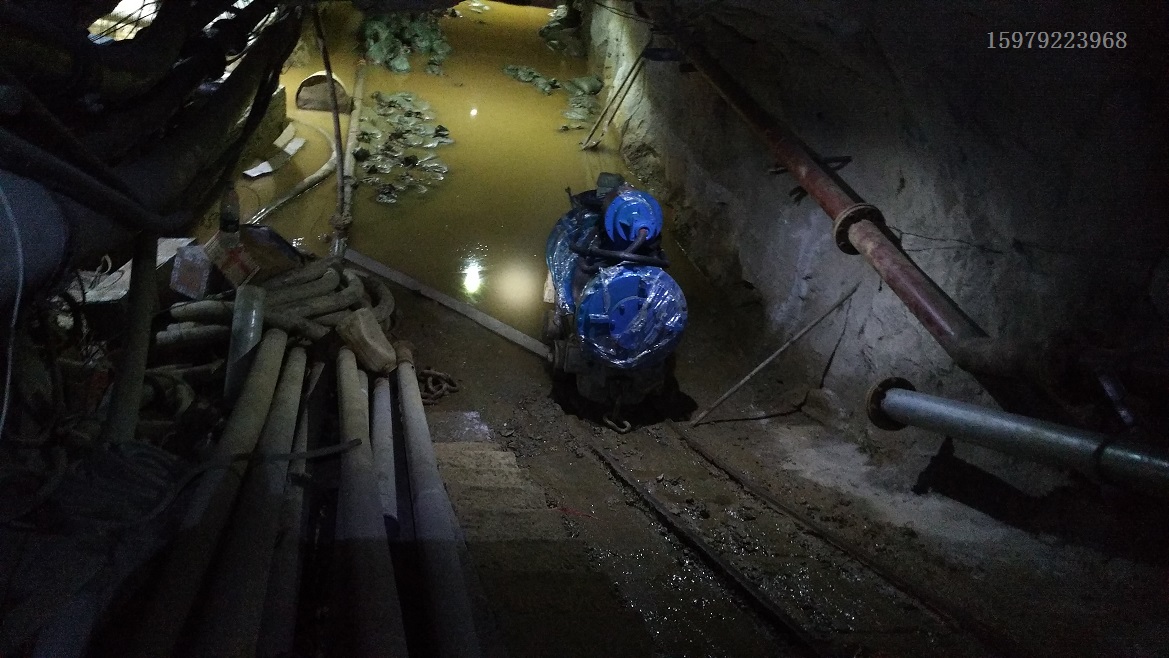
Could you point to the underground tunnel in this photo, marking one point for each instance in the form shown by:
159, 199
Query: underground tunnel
588, 328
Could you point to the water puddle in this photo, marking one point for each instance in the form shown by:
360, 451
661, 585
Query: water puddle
479, 235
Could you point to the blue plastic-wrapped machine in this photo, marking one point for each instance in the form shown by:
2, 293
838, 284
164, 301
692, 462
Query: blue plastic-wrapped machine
631, 316
620, 315
569, 230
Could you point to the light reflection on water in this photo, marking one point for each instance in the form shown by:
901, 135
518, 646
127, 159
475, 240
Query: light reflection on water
472, 276
479, 235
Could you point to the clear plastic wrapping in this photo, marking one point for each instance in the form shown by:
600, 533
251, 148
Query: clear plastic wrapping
631, 316
569, 230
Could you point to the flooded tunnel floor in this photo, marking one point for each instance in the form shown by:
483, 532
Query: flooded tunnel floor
571, 561
479, 235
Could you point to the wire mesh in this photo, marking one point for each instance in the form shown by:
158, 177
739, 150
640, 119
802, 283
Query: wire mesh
126, 19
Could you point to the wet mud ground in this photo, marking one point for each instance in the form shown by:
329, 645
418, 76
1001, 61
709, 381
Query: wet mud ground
570, 558
600, 573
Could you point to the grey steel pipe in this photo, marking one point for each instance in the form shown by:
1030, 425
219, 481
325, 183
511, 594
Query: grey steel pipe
475, 315
282, 597
362, 545
382, 442
247, 323
180, 577
336, 112
23, 158
350, 160
448, 604
143, 300
893, 404
230, 622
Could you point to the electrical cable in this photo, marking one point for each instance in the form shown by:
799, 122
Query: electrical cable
172, 492
225, 463
18, 243
622, 13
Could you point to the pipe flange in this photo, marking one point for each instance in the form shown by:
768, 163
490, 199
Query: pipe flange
877, 394
849, 216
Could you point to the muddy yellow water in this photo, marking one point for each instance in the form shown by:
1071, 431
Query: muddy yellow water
480, 234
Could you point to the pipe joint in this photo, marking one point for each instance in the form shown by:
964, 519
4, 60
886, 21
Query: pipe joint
876, 396
851, 215
405, 352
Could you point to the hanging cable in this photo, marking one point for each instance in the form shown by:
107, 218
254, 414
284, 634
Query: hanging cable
15, 307
622, 13
338, 221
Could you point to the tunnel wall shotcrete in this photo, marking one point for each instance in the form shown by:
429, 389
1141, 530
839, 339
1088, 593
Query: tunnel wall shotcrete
1028, 183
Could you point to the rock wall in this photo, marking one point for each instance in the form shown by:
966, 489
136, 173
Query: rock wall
1029, 183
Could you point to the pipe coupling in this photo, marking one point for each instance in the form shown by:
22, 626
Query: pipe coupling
877, 394
857, 212
405, 352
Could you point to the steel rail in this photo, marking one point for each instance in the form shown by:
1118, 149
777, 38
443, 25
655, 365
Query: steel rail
939, 606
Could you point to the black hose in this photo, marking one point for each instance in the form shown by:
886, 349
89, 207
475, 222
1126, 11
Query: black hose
127, 128
619, 256
25, 159
642, 236
59, 137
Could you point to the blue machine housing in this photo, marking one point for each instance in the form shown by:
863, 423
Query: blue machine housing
622, 315
630, 212
630, 316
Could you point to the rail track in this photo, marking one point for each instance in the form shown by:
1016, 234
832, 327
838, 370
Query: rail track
830, 595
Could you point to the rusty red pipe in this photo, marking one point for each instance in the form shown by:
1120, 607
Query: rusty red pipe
929, 304
858, 228
856, 225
